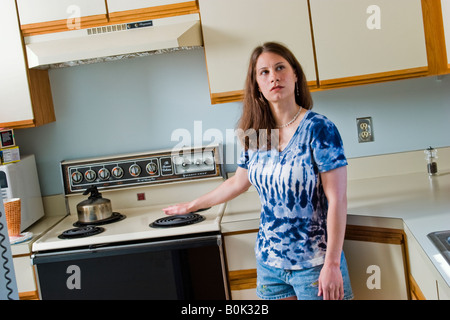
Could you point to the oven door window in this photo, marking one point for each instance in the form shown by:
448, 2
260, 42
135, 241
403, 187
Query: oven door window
179, 271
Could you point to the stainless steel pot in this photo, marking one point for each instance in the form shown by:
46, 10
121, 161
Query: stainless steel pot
94, 208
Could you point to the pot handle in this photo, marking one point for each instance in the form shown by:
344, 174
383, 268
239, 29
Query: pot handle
94, 193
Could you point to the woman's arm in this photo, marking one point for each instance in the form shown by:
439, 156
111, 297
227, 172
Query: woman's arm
335, 187
228, 190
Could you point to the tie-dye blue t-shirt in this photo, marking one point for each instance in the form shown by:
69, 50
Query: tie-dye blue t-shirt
292, 232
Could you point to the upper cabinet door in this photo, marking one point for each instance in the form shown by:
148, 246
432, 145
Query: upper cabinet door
446, 18
15, 105
133, 10
233, 28
357, 40
25, 96
41, 16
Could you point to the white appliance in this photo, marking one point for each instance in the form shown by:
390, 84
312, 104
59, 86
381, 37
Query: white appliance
127, 256
20, 180
113, 42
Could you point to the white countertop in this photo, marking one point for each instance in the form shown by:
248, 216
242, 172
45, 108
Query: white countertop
37, 229
415, 200
420, 201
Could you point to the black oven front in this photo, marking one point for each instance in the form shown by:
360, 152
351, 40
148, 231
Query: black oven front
190, 267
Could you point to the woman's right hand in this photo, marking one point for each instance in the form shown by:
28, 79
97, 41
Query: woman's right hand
181, 208
226, 191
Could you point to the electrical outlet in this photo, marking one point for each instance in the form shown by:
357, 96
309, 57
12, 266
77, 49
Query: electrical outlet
365, 129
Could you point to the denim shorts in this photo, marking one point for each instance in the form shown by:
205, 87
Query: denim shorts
274, 283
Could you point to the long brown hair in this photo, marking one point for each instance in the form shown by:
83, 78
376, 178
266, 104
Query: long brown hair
257, 119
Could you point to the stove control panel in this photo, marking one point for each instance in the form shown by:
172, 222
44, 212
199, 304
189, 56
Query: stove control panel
141, 169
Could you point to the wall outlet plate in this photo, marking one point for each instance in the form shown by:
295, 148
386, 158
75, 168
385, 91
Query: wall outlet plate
365, 129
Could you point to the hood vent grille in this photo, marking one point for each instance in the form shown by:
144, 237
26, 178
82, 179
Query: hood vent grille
119, 27
106, 29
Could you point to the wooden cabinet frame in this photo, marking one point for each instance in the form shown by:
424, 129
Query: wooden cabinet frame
157, 12
435, 37
246, 279
34, 84
240, 279
436, 58
41, 101
433, 27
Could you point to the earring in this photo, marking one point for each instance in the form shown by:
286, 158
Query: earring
296, 89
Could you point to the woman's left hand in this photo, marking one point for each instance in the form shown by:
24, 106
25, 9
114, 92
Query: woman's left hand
331, 284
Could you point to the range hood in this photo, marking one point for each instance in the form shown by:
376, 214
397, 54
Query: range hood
113, 42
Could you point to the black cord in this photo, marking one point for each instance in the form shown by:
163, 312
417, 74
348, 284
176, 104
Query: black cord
5, 260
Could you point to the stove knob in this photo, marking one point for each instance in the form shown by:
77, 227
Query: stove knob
151, 168
208, 161
77, 177
198, 162
135, 170
117, 172
104, 174
185, 163
90, 175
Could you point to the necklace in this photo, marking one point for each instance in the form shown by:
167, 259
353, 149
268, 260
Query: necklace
293, 119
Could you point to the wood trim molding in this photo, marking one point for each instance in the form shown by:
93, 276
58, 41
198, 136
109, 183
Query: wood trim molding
375, 234
233, 233
29, 295
416, 293
435, 37
18, 124
225, 97
62, 25
238, 95
157, 12
242, 279
374, 78
41, 97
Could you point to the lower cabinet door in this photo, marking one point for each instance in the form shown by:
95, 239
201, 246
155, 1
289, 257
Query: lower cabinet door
376, 263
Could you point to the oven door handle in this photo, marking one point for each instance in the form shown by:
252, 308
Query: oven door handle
104, 250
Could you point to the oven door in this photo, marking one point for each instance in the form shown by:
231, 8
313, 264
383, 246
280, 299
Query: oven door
171, 268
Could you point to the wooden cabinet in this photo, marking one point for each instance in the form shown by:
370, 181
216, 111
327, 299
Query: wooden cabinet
339, 43
241, 264
25, 95
26, 281
445, 5
376, 259
427, 282
373, 254
48, 16
348, 42
44, 16
359, 41
233, 28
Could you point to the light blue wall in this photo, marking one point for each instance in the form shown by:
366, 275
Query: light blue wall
135, 105
407, 115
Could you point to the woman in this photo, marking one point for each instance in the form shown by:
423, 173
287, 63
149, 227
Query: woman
295, 159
